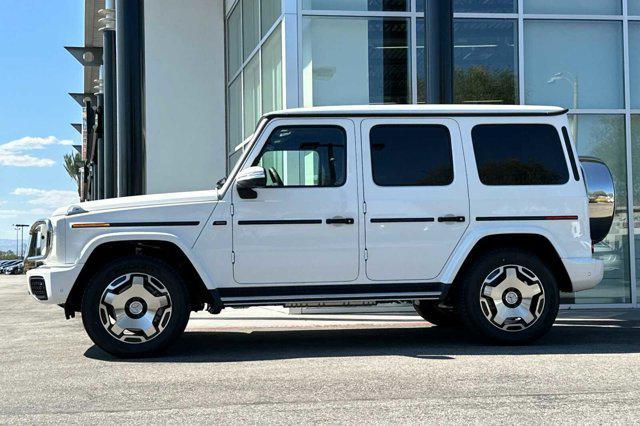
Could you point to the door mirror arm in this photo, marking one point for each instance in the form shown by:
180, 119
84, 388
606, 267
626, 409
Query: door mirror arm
248, 180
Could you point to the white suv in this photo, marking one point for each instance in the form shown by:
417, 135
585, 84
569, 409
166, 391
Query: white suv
476, 214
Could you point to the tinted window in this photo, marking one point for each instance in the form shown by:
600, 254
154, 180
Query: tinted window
411, 155
305, 156
519, 154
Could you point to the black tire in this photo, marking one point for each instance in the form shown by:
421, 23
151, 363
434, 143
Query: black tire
174, 286
431, 312
471, 311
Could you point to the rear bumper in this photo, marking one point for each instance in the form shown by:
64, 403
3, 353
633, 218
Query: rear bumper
58, 281
585, 273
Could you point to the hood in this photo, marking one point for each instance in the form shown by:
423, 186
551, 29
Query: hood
142, 201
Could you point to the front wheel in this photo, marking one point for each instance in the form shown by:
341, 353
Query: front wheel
509, 296
135, 306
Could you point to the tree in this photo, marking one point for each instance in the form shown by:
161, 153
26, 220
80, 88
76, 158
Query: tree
71, 165
479, 84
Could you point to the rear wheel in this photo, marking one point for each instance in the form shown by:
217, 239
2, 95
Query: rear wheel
435, 314
509, 296
135, 306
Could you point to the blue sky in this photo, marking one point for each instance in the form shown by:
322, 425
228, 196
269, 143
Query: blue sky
36, 73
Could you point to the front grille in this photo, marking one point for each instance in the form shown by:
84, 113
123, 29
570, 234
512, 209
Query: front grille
38, 288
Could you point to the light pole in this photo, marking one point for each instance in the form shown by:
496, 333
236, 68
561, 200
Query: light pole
573, 80
20, 227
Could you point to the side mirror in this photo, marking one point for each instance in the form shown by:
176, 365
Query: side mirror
249, 179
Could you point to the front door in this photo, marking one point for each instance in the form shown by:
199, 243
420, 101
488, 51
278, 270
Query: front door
303, 226
415, 190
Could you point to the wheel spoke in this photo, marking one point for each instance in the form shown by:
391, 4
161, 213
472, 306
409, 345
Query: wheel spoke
530, 291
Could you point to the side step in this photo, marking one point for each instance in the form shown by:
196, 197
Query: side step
301, 294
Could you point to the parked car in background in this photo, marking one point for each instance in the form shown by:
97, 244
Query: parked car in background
479, 215
13, 267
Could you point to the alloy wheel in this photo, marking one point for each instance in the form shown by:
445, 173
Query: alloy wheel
512, 298
135, 308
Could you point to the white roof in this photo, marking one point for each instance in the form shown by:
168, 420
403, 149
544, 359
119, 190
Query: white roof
444, 110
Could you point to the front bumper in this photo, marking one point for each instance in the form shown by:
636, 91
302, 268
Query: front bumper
585, 273
58, 281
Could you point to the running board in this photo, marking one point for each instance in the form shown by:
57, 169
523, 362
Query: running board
279, 295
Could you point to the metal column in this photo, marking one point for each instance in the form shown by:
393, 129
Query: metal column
439, 51
109, 163
130, 96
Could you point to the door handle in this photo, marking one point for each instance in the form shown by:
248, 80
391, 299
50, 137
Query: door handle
451, 219
340, 220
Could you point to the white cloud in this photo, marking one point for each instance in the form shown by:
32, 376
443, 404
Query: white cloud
13, 153
47, 198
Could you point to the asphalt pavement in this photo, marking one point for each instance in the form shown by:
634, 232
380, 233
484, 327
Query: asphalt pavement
263, 366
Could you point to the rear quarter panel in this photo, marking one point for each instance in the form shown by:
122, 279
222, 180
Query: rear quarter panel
570, 237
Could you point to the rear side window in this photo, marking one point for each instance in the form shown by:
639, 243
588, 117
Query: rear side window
411, 155
519, 154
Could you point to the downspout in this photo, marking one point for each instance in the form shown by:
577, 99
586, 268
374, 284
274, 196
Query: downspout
130, 97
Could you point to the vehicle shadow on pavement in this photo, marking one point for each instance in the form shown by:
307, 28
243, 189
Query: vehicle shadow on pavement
566, 337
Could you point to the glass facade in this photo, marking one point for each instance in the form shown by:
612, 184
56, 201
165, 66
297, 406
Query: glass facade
575, 64
370, 67
580, 54
576, 7
254, 51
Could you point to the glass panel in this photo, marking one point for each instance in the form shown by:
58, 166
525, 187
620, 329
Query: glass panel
234, 46
634, 63
603, 136
634, 7
233, 159
363, 5
411, 155
234, 115
270, 11
272, 72
478, 6
519, 154
575, 7
251, 95
635, 145
575, 64
355, 61
485, 59
305, 156
250, 26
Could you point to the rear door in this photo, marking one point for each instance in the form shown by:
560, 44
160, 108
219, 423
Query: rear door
415, 190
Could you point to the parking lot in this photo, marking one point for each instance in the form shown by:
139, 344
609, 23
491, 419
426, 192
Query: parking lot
264, 366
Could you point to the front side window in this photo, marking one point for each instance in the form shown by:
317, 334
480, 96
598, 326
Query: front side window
411, 155
519, 154
297, 156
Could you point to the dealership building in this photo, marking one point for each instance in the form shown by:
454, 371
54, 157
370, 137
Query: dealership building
173, 89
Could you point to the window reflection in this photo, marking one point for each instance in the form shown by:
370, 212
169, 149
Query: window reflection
485, 61
350, 61
362, 5
575, 64
603, 136
635, 146
478, 6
